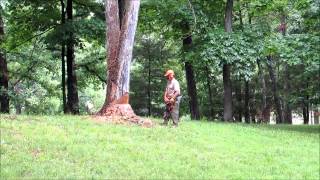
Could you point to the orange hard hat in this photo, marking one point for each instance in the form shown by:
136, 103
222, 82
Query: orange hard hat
169, 72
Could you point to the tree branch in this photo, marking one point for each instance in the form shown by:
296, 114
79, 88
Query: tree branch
93, 73
37, 35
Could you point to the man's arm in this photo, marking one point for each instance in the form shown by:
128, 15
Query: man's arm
176, 90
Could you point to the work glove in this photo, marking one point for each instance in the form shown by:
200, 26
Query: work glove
172, 100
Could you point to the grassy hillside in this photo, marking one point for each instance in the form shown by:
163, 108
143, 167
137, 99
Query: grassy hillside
75, 147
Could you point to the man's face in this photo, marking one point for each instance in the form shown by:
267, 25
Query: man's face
170, 77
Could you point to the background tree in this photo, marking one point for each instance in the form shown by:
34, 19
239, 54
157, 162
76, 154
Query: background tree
4, 75
34, 53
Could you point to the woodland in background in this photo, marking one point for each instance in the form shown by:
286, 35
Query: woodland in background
235, 60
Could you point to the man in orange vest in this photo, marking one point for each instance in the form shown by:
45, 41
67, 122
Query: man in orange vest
172, 99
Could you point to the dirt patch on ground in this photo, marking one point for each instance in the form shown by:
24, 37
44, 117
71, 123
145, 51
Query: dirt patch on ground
8, 117
121, 114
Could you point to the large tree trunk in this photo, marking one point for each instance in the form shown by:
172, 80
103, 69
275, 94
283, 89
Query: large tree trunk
275, 90
4, 75
227, 101
128, 30
73, 99
120, 44
63, 62
113, 40
120, 40
191, 83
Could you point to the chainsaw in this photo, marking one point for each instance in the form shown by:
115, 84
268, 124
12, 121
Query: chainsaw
170, 104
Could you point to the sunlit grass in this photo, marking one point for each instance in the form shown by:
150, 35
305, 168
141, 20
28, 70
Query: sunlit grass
75, 147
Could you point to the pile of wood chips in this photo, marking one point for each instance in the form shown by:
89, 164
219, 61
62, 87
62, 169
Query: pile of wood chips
122, 114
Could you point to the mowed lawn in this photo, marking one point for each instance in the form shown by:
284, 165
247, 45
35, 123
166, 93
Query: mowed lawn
75, 147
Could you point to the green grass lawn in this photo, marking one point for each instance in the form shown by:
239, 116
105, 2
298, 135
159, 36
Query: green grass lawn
75, 147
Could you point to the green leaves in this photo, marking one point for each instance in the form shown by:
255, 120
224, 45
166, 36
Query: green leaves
219, 48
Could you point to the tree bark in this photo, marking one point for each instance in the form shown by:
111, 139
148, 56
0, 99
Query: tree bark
275, 90
228, 16
128, 29
253, 109
113, 38
239, 101
209, 91
149, 82
316, 114
305, 110
4, 74
73, 99
121, 7
191, 83
246, 103
264, 109
63, 62
238, 84
18, 108
120, 40
227, 101
287, 106
287, 90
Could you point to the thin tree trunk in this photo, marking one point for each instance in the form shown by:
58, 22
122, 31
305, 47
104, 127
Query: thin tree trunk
287, 90
265, 111
227, 101
228, 16
18, 108
209, 91
239, 100
287, 107
253, 109
149, 82
4, 78
73, 99
305, 110
4, 74
240, 18
305, 114
191, 83
246, 103
63, 79
192, 91
63, 62
316, 114
275, 90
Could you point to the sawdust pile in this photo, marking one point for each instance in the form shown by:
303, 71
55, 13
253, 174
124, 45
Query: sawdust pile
121, 114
